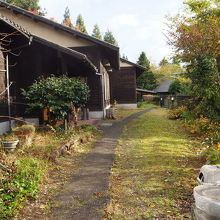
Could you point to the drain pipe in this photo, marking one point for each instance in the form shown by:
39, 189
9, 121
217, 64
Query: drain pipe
103, 98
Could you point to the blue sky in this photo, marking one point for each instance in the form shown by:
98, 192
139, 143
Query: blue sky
138, 25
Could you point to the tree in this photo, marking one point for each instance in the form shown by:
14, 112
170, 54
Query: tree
67, 20
163, 62
96, 32
80, 24
195, 38
198, 31
108, 37
30, 5
175, 87
143, 61
60, 95
165, 72
206, 85
147, 79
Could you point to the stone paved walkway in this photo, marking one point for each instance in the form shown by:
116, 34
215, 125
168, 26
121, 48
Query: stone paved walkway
85, 196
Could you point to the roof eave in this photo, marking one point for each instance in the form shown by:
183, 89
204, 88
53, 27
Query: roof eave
55, 24
71, 52
134, 64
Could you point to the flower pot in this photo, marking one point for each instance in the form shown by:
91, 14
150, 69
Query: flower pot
10, 145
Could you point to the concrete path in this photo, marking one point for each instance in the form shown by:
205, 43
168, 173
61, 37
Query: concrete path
85, 196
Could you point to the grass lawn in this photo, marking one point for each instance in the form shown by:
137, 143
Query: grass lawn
155, 170
124, 113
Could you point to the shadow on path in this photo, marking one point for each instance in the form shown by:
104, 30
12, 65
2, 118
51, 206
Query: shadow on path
85, 196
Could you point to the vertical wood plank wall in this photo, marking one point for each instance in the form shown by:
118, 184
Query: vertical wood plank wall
123, 85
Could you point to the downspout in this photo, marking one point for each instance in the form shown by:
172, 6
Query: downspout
103, 98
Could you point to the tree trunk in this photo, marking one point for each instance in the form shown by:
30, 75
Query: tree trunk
75, 114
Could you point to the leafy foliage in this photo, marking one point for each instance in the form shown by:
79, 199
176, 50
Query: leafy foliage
21, 184
57, 94
108, 37
196, 32
80, 24
28, 5
175, 87
96, 32
147, 79
206, 85
165, 72
163, 62
195, 36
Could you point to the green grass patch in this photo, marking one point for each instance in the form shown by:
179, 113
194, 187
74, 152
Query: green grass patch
22, 183
124, 113
29, 170
154, 172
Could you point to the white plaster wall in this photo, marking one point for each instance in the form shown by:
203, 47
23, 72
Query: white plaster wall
124, 64
32, 121
4, 126
45, 31
126, 106
97, 114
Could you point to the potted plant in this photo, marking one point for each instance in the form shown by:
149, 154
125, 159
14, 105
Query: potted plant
10, 143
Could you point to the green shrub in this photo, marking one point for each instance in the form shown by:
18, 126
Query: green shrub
59, 95
19, 185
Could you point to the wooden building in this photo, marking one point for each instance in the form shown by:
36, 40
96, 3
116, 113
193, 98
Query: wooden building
123, 84
2, 74
57, 49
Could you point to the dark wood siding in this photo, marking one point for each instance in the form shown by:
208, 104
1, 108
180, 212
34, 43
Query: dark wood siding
95, 86
39, 60
123, 85
94, 81
92, 52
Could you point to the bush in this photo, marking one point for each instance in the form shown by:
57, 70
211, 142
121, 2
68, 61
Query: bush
19, 185
59, 95
176, 113
24, 130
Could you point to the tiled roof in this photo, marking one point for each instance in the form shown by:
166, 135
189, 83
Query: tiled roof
164, 86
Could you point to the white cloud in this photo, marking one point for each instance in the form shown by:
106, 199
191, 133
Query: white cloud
142, 33
120, 20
